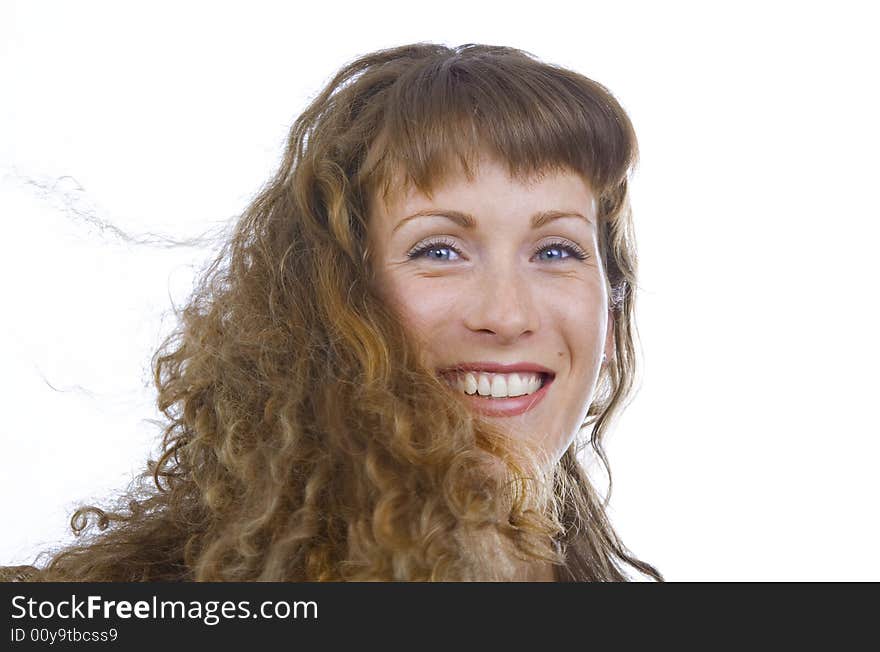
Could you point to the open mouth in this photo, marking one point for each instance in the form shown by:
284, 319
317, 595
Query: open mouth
498, 386
493, 398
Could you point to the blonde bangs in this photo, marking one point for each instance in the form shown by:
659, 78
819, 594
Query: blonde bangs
440, 119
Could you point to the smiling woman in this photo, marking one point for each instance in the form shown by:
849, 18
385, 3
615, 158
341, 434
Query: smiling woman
389, 370
516, 302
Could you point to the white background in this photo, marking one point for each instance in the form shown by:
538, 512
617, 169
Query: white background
750, 452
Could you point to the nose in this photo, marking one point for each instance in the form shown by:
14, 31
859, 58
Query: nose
502, 303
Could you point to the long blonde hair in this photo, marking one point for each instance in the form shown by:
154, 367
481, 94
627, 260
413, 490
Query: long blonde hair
304, 438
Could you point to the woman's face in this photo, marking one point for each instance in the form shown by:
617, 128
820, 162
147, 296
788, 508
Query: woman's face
499, 276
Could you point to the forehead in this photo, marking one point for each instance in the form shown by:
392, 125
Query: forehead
491, 184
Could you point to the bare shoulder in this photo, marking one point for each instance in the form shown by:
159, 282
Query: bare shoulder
16, 573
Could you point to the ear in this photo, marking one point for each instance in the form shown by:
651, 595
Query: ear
609, 338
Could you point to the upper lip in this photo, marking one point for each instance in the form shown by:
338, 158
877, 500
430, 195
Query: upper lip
498, 368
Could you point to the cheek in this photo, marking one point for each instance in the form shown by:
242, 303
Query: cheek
583, 323
425, 310
583, 301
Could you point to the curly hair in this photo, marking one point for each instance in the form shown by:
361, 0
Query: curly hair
304, 439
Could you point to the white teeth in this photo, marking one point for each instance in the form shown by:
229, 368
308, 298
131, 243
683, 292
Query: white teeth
497, 385
532, 383
516, 385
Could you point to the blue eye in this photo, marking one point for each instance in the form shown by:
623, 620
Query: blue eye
573, 250
430, 249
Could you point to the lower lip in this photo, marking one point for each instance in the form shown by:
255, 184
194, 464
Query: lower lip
508, 407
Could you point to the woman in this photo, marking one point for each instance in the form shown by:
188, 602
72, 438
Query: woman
343, 403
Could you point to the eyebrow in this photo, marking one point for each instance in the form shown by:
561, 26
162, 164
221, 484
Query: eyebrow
467, 221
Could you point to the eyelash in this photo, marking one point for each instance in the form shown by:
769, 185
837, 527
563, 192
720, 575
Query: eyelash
573, 250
